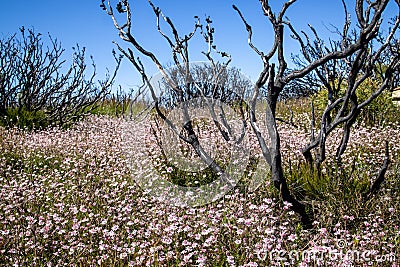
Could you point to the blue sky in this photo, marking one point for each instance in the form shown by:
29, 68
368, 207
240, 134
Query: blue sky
85, 23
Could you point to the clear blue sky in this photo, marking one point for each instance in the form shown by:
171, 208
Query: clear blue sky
83, 22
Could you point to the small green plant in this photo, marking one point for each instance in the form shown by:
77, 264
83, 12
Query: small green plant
123, 107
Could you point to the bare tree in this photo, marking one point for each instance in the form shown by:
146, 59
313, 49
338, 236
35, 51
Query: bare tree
352, 58
180, 79
348, 61
376, 58
31, 80
230, 87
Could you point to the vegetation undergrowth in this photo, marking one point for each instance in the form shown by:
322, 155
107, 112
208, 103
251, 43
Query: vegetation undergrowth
70, 197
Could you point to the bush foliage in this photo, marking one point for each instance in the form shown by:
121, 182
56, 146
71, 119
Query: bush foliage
381, 111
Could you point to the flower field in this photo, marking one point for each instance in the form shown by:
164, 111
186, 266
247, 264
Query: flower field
70, 198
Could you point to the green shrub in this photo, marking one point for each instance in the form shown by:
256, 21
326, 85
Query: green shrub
380, 111
24, 119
